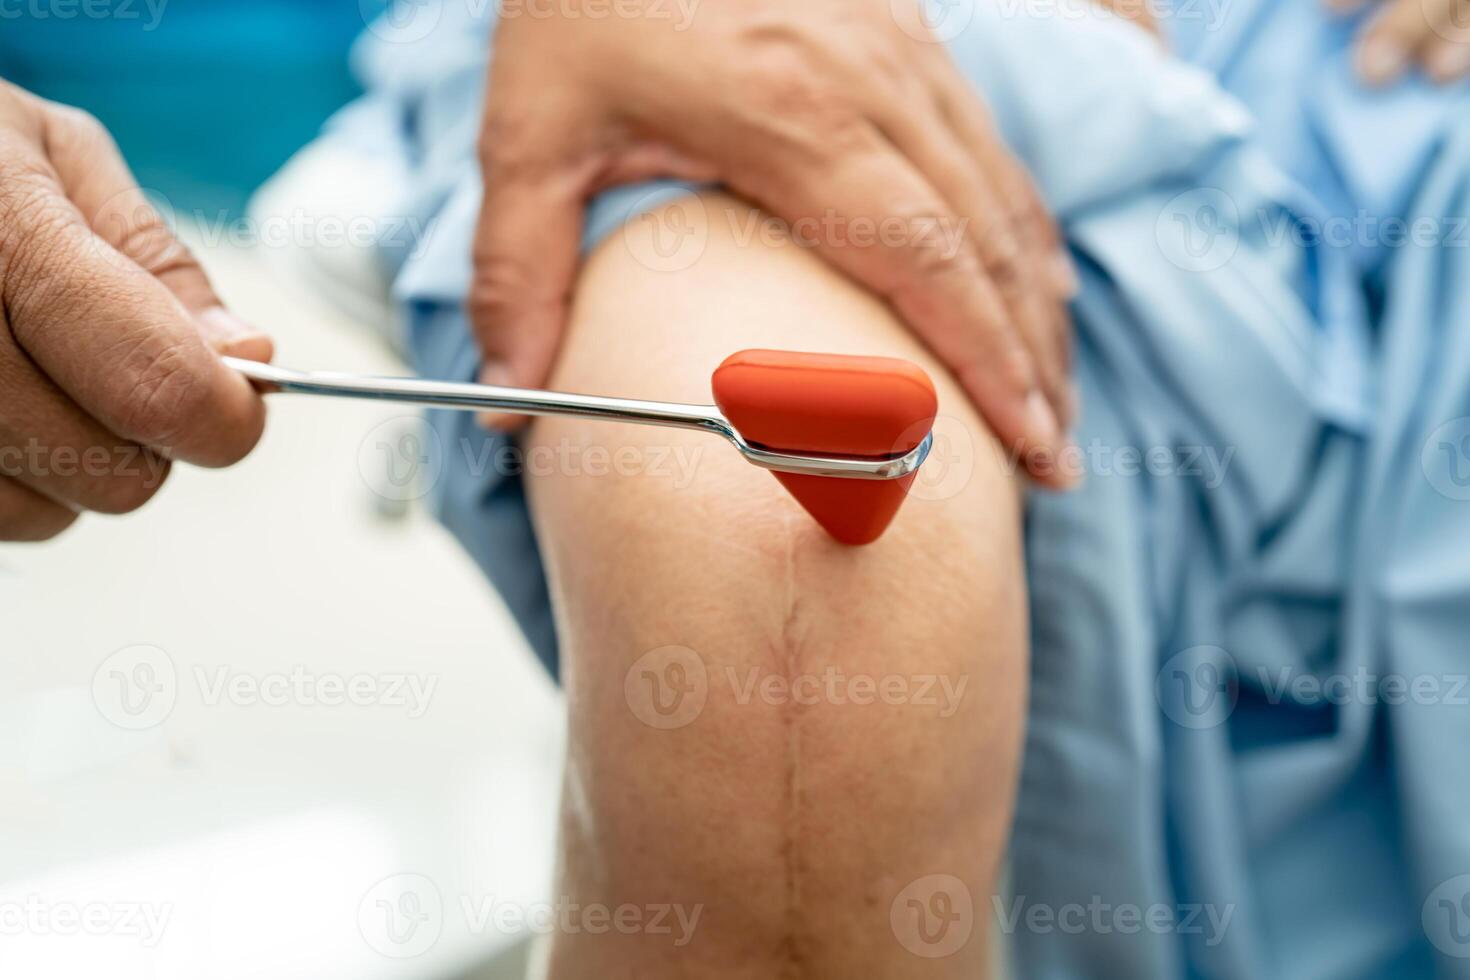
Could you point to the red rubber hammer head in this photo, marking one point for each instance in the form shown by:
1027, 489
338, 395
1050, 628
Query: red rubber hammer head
831, 405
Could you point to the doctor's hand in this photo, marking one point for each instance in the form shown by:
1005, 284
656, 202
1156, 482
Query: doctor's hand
1433, 34
108, 329
836, 115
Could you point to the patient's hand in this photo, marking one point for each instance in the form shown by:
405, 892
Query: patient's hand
844, 118
106, 325
1434, 34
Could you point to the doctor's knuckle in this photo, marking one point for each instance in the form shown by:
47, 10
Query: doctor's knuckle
72, 130
943, 268
1003, 260
147, 241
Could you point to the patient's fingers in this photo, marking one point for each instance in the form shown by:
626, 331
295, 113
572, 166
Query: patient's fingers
528, 243
989, 226
1050, 275
943, 292
1431, 32
1446, 56
526, 252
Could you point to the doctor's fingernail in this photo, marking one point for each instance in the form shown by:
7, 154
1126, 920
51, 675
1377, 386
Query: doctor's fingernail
219, 324
1381, 60
228, 334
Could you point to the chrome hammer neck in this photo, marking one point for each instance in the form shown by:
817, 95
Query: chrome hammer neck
461, 396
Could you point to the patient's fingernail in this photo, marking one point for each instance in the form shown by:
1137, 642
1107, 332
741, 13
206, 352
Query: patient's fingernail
498, 374
1449, 62
1381, 60
1064, 275
1041, 421
232, 336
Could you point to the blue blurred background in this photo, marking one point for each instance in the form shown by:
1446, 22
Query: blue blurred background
206, 97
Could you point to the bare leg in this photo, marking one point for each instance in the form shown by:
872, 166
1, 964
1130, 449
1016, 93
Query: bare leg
832, 777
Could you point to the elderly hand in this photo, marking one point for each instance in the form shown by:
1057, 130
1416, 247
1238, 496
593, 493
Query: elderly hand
106, 330
827, 113
1434, 34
